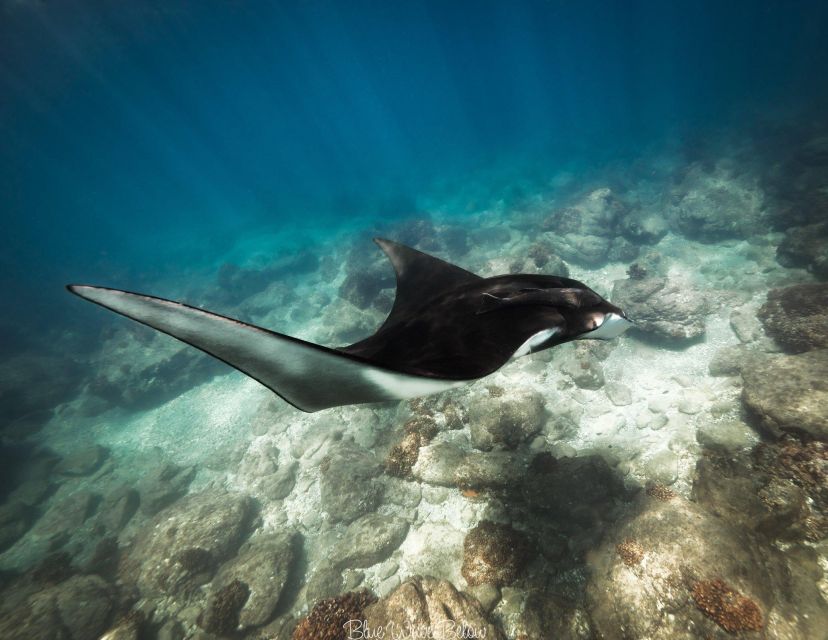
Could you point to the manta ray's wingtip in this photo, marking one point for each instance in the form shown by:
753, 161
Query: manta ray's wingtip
84, 291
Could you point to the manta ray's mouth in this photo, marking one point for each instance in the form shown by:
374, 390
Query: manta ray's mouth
612, 326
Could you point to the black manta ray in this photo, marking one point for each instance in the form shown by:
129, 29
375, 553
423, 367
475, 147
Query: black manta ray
448, 327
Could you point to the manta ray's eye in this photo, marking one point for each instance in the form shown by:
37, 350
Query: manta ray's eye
594, 321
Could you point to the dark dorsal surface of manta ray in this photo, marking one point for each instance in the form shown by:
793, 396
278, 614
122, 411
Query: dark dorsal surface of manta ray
448, 327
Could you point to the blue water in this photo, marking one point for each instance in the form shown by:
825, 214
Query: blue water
239, 156
141, 138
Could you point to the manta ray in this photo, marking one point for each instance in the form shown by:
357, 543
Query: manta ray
448, 327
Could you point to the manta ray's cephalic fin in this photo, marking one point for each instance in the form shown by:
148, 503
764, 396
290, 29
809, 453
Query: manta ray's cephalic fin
308, 376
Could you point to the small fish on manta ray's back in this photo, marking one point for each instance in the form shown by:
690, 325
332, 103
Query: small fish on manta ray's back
448, 327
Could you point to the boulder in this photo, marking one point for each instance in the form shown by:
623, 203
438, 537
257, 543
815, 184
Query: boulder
662, 308
710, 206
181, 548
348, 483
82, 462
506, 422
789, 393
672, 571
261, 567
369, 540
796, 317
494, 553
427, 607
164, 484
806, 247
76, 609
448, 464
586, 232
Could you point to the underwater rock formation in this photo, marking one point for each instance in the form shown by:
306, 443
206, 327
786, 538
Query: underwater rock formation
425, 605
716, 205
450, 465
663, 308
806, 247
494, 553
672, 592
796, 317
789, 393
328, 618
136, 384
181, 548
348, 482
15, 520
506, 422
586, 232
368, 541
164, 484
82, 462
75, 609
260, 570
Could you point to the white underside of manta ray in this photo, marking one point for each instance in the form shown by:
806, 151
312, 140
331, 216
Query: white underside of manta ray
448, 327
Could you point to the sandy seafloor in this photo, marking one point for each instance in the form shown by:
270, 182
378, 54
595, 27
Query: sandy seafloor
662, 440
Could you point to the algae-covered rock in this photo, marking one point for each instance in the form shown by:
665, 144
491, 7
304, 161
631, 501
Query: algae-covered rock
425, 605
586, 232
494, 553
663, 308
76, 609
797, 316
348, 482
688, 556
806, 247
369, 540
789, 393
714, 205
506, 422
450, 465
82, 462
261, 569
164, 484
337, 617
182, 547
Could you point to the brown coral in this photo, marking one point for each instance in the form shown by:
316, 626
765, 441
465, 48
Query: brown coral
403, 456
419, 430
630, 552
222, 615
728, 608
660, 492
328, 618
494, 554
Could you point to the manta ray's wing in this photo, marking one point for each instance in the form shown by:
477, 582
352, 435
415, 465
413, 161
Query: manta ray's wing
420, 278
309, 376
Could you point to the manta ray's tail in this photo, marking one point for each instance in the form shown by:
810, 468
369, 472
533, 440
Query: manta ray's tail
307, 375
